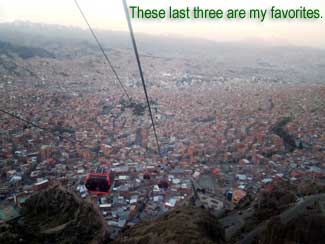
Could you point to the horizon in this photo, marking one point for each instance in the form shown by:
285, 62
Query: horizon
110, 16
175, 36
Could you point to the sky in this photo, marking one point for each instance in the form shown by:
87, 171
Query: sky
108, 14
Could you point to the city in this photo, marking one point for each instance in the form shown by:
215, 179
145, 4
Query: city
223, 139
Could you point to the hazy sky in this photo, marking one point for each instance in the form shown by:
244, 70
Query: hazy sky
108, 14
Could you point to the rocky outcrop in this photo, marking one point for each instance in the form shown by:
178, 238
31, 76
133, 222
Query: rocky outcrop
57, 215
303, 229
272, 203
182, 225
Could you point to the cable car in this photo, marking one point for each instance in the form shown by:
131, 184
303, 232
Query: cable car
146, 176
163, 184
98, 182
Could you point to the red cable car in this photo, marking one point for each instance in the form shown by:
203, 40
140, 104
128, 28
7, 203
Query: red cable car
98, 182
163, 184
146, 176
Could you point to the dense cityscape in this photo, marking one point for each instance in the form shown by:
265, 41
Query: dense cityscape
223, 139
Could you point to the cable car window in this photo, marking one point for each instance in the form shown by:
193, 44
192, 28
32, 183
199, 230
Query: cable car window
97, 183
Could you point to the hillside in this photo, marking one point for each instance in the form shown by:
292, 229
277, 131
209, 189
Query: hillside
56, 216
182, 225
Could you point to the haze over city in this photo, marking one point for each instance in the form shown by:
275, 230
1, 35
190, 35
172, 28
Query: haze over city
109, 15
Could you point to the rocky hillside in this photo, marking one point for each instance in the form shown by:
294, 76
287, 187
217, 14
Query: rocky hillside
182, 225
12, 61
23, 52
303, 229
56, 216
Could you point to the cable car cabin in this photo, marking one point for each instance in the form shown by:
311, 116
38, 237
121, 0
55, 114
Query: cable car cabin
98, 182
163, 184
146, 176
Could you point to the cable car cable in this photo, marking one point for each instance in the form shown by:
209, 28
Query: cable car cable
102, 49
140, 71
42, 128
